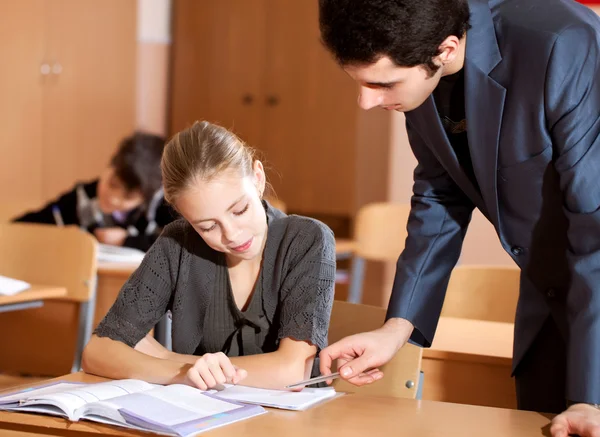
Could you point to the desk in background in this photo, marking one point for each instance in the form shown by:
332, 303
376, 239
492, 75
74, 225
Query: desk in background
470, 362
34, 297
349, 415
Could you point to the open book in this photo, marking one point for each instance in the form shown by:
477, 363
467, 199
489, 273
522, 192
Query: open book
177, 410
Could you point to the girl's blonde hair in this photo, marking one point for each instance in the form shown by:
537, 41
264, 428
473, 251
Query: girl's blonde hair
201, 152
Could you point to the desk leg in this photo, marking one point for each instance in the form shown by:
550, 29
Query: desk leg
86, 321
357, 276
162, 332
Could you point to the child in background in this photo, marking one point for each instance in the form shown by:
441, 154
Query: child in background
125, 205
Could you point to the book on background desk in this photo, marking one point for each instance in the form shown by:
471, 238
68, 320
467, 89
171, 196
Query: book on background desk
11, 286
119, 254
177, 410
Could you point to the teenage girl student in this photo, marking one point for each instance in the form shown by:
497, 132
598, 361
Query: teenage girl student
125, 205
250, 289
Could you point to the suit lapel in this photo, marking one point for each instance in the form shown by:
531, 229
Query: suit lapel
484, 103
426, 121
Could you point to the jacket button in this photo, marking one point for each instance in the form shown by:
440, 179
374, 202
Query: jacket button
517, 250
550, 293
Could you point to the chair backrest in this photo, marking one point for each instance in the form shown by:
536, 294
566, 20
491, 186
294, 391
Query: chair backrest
483, 293
47, 340
380, 231
401, 374
47, 254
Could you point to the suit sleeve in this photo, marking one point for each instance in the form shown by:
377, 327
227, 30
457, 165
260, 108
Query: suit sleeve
437, 224
573, 116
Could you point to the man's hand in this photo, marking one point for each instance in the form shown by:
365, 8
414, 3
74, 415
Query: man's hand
580, 419
358, 356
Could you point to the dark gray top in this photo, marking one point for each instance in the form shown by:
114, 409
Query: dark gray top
292, 298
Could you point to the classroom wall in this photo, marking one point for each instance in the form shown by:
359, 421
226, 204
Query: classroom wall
154, 41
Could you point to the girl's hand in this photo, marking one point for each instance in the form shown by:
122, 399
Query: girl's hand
211, 370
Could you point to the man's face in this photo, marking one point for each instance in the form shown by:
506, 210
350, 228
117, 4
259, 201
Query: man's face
383, 84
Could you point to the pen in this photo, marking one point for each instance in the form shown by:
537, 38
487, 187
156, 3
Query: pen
57, 216
315, 380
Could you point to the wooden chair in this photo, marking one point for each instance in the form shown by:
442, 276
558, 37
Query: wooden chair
379, 235
48, 340
402, 375
483, 293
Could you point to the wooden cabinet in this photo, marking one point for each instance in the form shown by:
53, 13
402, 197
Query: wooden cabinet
258, 67
68, 87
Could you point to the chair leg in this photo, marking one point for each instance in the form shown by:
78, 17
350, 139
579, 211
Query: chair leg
84, 333
162, 332
357, 277
420, 389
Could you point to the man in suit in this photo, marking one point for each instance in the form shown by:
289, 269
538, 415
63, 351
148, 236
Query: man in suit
502, 105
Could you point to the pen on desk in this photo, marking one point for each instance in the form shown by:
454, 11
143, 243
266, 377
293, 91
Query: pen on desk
315, 380
57, 216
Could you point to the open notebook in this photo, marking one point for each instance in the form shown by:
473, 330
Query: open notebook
177, 410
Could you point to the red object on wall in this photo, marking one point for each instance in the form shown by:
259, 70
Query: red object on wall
589, 2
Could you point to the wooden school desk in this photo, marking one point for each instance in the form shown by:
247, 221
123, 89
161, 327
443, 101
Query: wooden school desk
348, 416
31, 298
470, 362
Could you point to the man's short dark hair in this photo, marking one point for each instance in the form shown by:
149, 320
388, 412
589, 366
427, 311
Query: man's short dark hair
409, 32
137, 163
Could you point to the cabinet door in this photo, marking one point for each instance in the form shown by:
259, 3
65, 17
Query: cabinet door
89, 100
218, 55
21, 82
310, 114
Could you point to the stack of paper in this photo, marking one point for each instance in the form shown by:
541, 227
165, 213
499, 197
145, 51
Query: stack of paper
283, 399
10, 286
118, 254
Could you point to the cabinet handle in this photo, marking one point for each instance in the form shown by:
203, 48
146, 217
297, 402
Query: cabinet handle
272, 100
57, 68
45, 69
247, 99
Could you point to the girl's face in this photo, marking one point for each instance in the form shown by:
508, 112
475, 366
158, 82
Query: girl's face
227, 212
113, 196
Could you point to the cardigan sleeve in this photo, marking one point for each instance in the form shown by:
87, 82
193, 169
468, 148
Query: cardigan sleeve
144, 298
308, 286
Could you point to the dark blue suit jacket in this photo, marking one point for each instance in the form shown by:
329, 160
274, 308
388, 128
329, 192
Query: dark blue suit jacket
532, 92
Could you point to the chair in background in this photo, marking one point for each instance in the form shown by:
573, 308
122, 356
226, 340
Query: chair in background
403, 377
379, 235
48, 340
276, 202
483, 293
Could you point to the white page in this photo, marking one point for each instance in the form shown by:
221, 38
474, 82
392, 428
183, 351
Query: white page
109, 253
73, 399
35, 392
277, 398
172, 405
11, 286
